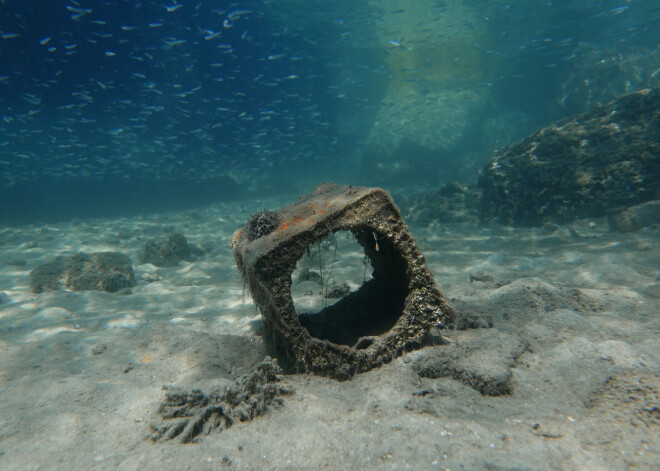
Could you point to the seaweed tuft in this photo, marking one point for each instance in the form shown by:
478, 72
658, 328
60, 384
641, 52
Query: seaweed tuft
261, 224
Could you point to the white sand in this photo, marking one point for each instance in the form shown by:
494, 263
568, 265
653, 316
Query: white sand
81, 373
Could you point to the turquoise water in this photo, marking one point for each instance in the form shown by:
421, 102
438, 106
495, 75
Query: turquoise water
112, 107
126, 123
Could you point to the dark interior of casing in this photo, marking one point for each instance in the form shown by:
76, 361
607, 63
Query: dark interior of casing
372, 309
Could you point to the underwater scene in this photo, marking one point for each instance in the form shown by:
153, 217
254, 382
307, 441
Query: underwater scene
304, 234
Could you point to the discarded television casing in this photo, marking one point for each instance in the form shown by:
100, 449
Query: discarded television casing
387, 315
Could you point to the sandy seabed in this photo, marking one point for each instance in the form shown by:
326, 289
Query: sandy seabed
82, 373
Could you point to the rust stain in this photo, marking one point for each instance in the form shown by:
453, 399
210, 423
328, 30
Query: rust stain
146, 358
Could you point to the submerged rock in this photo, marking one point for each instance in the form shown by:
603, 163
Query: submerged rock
104, 271
431, 106
170, 252
452, 202
582, 167
338, 290
419, 134
483, 361
636, 217
600, 75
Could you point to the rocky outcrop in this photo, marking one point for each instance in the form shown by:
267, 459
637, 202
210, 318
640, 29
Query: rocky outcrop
606, 159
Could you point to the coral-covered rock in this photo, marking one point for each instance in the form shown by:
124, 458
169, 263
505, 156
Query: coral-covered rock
584, 167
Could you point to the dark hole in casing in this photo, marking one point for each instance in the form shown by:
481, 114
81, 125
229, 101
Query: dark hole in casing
374, 308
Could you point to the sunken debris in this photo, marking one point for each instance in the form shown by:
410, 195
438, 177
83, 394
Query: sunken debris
389, 314
186, 415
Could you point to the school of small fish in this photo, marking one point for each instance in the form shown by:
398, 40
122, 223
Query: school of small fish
191, 90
